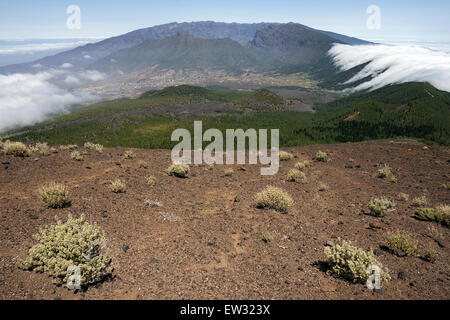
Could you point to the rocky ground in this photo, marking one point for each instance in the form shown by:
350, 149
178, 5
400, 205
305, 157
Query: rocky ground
206, 242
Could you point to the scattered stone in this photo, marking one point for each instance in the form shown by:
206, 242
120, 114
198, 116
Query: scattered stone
125, 248
104, 214
5, 162
403, 275
88, 167
151, 203
374, 226
379, 291
329, 243
378, 252
242, 169
33, 216
340, 223
37, 159
401, 253
413, 283
169, 216
118, 164
154, 260
237, 199
441, 243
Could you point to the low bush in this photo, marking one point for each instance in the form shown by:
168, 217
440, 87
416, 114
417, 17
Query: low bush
228, 172
379, 207
42, 148
401, 245
299, 165
17, 149
285, 156
68, 147
129, 154
143, 164
420, 201
321, 156
384, 172
178, 169
430, 256
274, 198
402, 197
426, 214
95, 147
295, 175
441, 214
117, 186
151, 181
75, 155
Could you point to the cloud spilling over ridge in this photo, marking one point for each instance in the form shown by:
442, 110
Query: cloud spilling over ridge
393, 64
26, 99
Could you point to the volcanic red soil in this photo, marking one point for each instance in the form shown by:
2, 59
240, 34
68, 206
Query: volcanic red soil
207, 240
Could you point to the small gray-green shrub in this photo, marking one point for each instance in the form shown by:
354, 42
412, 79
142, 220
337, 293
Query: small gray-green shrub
352, 263
73, 243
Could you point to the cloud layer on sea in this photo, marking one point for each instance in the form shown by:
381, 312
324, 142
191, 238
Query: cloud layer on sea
390, 64
26, 99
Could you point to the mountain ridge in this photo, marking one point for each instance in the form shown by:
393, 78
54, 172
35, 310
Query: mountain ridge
83, 56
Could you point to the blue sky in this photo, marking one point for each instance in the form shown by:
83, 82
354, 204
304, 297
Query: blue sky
411, 20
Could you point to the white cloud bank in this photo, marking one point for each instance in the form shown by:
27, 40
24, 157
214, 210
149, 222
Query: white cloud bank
26, 99
393, 64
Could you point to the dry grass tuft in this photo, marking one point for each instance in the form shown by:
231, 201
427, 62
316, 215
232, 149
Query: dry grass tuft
95, 147
402, 197
384, 172
295, 175
117, 186
54, 195
17, 149
75, 155
285, 156
178, 169
321, 156
430, 256
300, 165
420, 201
401, 245
68, 147
143, 164
379, 207
151, 181
129, 155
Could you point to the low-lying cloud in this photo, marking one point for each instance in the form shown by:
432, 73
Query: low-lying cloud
388, 64
26, 99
